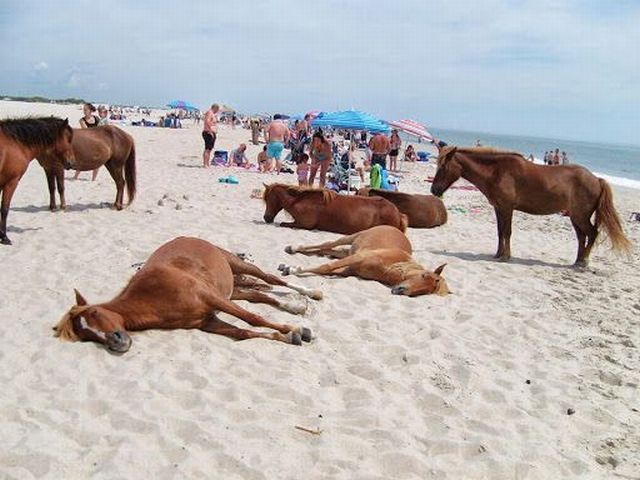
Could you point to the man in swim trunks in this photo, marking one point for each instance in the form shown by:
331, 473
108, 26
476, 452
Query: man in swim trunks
380, 147
209, 133
277, 134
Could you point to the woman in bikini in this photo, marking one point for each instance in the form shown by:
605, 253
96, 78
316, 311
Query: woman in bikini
395, 144
320, 152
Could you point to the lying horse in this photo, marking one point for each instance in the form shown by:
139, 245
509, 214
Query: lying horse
423, 211
182, 285
512, 183
21, 140
326, 210
94, 147
380, 253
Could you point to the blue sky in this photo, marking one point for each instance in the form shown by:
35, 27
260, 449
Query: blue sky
567, 69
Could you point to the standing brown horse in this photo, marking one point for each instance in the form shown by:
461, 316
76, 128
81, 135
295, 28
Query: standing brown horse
326, 210
94, 147
381, 253
182, 285
512, 183
21, 140
424, 211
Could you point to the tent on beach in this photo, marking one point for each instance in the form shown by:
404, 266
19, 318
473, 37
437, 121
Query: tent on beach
181, 105
351, 120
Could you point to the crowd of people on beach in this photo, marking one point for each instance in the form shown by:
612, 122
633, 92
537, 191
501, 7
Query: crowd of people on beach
555, 157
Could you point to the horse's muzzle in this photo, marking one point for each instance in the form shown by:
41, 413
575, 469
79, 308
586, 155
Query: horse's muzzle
268, 219
118, 341
69, 163
436, 191
398, 290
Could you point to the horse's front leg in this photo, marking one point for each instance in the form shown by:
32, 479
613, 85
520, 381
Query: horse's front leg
7, 193
51, 183
60, 182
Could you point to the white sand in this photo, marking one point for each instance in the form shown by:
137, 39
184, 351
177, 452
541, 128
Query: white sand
428, 387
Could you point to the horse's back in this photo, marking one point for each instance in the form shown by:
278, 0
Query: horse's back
352, 214
423, 211
381, 236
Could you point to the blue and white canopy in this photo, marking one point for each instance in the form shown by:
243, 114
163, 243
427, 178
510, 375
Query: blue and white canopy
351, 120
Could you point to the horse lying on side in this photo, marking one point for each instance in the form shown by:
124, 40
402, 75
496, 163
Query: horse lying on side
380, 253
182, 285
94, 147
313, 209
424, 211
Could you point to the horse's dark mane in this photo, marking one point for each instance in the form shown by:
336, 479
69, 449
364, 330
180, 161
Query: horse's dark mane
34, 131
488, 150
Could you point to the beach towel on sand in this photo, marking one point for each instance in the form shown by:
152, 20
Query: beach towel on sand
375, 176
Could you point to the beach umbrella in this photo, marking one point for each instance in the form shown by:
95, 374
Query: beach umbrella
351, 120
411, 127
181, 104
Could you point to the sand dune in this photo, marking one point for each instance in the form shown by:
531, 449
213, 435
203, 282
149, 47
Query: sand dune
474, 385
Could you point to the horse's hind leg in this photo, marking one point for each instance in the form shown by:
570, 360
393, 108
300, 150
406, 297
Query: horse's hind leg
214, 325
339, 267
282, 330
7, 193
326, 248
116, 174
240, 267
254, 296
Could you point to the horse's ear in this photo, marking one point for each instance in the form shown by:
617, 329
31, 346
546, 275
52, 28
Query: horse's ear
66, 122
80, 301
439, 270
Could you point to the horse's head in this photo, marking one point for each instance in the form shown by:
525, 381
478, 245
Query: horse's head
423, 283
449, 170
62, 147
273, 202
93, 323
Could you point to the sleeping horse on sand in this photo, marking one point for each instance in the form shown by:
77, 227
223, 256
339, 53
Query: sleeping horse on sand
381, 253
512, 183
182, 285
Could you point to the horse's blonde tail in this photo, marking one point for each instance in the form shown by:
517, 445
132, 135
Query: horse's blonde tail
404, 222
607, 217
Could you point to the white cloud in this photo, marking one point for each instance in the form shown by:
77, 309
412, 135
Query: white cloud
40, 66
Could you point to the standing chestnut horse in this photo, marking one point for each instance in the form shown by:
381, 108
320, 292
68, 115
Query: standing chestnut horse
21, 140
182, 285
511, 183
94, 147
381, 253
424, 211
326, 210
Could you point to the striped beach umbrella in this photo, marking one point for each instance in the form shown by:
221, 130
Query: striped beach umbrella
412, 127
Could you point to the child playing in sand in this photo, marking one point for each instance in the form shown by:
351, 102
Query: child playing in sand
302, 170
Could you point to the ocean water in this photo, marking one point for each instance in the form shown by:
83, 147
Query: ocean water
619, 164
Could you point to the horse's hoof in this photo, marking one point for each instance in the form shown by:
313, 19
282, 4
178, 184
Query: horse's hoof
5, 241
305, 334
281, 267
581, 264
296, 339
316, 295
286, 270
288, 249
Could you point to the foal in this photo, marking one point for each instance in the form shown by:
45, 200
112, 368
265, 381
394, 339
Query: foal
182, 285
381, 253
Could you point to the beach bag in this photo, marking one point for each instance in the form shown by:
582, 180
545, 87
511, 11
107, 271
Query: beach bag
375, 176
384, 181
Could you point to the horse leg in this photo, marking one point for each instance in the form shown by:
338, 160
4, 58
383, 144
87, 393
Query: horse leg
284, 333
116, 174
7, 192
51, 183
339, 267
588, 230
255, 296
240, 267
214, 325
60, 181
503, 217
326, 248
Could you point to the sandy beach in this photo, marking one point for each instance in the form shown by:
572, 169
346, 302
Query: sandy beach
475, 385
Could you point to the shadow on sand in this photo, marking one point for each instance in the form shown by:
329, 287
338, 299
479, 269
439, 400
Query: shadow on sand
76, 207
482, 257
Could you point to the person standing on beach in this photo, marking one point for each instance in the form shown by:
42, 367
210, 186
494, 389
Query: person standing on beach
380, 147
564, 159
209, 133
88, 120
303, 130
555, 158
321, 156
395, 144
276, 135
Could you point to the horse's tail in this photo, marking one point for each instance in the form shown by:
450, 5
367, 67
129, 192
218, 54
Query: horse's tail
130, 173
404, 222
607, 216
